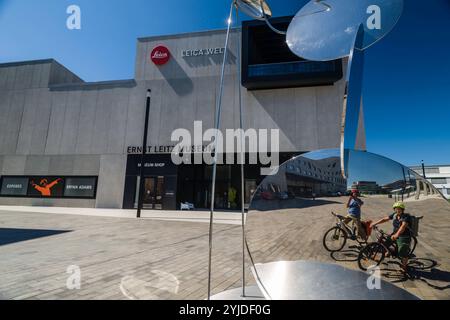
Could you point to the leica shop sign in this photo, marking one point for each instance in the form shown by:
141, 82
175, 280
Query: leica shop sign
160, 55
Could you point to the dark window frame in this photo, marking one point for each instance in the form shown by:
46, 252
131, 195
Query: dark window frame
333, 69
52, 177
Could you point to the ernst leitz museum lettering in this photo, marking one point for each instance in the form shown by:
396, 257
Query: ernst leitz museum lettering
67, 142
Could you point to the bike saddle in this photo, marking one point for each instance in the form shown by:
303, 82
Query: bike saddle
337, 215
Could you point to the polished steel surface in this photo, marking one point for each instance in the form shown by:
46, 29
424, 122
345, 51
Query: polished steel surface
254, 9
308, 280
242, 155
290, 213
252, 293
217, 126
325, 30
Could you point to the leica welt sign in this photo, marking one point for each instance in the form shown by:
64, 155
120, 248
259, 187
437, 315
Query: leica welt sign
202, 52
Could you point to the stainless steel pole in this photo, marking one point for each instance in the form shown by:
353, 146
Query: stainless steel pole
217, 125
241, 126
144, 152
423, 170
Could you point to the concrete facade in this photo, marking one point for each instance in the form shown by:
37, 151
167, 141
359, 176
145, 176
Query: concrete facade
54, 123
438, 176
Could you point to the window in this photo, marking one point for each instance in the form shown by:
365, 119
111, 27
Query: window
45, 187
431, 170
49, 187
12, 186
80, 187
268, 63
438, 180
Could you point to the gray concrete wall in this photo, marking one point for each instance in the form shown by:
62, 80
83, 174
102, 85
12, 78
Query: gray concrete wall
71, 120
34, 74
111, 181
185, 89
69, 130
89, 119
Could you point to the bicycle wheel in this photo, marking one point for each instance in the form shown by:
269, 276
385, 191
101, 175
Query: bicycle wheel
421, 263
371, 256
334, 239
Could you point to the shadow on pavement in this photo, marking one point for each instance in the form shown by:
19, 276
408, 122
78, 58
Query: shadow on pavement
434, 275
350, 255
422, 269
9, 235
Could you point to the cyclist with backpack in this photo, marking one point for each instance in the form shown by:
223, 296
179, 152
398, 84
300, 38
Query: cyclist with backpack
402, 232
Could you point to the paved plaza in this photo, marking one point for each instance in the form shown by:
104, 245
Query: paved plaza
119, 258
296, 232
159, 258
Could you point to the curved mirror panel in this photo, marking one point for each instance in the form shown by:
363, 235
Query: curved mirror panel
256, 9
310, 238
325, 30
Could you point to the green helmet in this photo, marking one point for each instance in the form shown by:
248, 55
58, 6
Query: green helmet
399, 205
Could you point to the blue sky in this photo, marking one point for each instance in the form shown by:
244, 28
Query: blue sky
407, 74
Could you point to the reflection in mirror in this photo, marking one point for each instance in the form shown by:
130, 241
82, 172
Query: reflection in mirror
297, 225
352, 103
322, 34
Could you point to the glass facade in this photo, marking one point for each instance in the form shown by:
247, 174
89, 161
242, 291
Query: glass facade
299, 67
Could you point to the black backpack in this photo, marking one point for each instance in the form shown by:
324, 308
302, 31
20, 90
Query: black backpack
414, 225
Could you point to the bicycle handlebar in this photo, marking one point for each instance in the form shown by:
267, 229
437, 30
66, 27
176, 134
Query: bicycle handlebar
379, 230
338, 216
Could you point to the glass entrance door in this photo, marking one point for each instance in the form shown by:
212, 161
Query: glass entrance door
153, 193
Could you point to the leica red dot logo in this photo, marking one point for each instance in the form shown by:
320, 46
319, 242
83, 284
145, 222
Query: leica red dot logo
160, 55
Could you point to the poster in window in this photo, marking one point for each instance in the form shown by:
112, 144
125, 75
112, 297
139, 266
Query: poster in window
14, 186
80, 187
46, 187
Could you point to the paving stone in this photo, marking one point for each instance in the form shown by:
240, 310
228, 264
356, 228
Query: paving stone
157, 259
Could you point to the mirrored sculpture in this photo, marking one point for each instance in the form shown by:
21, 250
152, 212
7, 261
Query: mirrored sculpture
257, 9
334, 29
325, 30
300, 242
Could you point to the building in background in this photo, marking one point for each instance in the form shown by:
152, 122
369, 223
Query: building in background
305, 178
438, 176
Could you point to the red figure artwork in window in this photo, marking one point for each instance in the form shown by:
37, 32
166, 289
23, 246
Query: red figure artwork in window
44, 187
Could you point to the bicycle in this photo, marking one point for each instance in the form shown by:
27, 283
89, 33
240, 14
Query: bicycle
336, 237
373, 254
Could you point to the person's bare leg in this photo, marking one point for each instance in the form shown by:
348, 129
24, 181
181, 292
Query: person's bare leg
347, 220
404, 264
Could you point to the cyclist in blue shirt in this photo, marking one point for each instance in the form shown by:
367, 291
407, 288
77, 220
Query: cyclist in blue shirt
354, 205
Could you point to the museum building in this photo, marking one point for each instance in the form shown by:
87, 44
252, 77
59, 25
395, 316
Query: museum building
67, 142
